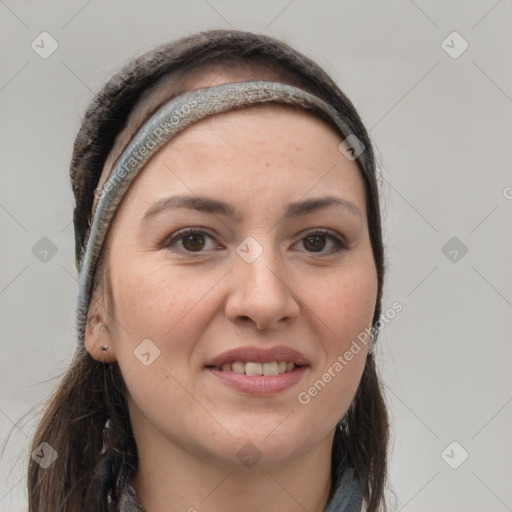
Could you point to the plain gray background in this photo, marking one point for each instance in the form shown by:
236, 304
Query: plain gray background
442, 127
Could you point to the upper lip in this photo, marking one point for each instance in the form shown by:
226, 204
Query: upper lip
259, 355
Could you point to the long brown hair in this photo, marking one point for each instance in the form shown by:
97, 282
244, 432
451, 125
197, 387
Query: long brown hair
86, 419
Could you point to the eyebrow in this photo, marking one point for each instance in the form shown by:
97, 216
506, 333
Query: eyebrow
217, 207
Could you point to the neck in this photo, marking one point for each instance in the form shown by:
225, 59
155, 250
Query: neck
173, 480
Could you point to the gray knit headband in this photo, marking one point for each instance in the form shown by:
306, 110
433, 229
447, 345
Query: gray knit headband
167, 121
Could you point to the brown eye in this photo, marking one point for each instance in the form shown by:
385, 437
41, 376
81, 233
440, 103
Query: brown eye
315, 242
191, 240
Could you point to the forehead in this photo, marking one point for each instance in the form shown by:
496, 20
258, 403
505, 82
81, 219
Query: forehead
179, 82
266, 151
267, 123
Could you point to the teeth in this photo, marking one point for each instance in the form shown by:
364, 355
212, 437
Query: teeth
238, 367
250, 368
270, 368
253, 369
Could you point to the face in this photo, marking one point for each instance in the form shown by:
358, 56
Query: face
260, 272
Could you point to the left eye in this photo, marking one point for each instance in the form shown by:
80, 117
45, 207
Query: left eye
316, 241
193, 240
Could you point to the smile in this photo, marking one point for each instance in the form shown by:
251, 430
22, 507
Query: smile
252, 380
253, 368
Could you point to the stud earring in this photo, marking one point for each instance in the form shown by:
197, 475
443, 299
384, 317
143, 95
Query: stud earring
104, 348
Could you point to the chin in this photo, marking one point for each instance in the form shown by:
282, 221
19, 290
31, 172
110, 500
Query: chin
262, 447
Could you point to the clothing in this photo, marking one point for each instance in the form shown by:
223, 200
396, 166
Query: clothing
347, 498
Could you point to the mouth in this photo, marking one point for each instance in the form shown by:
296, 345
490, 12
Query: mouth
258, 371
255, 369
250, 378
258, 360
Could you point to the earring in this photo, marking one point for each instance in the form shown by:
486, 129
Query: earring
104, 348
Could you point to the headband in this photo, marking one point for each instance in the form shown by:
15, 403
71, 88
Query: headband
167, 121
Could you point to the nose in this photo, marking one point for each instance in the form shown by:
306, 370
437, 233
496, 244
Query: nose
262, 293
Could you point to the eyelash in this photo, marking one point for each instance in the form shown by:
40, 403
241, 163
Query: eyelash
182, 233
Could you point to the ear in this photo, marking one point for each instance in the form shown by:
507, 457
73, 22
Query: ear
98, 334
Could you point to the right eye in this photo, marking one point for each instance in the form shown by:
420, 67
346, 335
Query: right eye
192, 240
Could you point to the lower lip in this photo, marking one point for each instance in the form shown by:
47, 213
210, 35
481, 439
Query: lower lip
260, 384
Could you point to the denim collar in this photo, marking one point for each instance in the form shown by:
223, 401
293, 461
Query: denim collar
347, 498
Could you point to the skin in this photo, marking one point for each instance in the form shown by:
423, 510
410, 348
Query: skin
193, 306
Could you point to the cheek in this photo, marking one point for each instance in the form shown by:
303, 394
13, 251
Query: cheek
168, 305
345, 308
154, 303
345, 303
156, 295
158, 300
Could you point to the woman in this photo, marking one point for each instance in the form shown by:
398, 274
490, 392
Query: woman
229, 249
